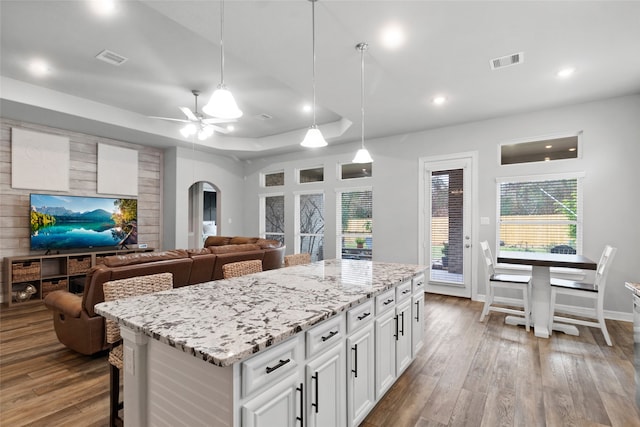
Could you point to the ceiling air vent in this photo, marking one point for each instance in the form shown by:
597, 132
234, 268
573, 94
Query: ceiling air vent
264, 116
111, 57
507, 61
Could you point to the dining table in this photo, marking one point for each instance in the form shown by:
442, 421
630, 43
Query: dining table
541, 264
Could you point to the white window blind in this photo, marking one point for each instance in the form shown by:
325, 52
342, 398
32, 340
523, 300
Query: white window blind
540, 215
355, 224
447, 202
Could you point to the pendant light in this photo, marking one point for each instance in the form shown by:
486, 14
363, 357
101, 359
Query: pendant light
362, 156
222, 104
313, 138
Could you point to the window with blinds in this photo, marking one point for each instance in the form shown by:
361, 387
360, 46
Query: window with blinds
355, 224
273, 218
540, 215
447, 209
310, 224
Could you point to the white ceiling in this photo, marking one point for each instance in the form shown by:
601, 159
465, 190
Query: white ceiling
174, 46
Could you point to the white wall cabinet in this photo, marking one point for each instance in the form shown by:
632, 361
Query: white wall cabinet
361, 396
385, 327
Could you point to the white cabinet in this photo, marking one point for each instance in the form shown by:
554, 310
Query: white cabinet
277, 406
417, 323
360, 373
325, 388
403, 336
385, 328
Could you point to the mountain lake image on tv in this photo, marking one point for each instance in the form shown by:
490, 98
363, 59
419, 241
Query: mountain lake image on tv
73, 222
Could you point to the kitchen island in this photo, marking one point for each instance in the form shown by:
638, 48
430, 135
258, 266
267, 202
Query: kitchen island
311, 345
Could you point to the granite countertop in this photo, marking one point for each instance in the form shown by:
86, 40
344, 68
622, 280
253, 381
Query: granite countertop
633, 287
226, 321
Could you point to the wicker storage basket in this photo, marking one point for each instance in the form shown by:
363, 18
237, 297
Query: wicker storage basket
25, 271
53, 285
79, 265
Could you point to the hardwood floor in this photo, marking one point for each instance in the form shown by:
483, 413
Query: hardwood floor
468, 374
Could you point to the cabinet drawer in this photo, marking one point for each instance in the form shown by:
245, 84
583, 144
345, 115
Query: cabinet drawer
385, 301
403, 291
271, 365
418, 283
325, 335
359, 316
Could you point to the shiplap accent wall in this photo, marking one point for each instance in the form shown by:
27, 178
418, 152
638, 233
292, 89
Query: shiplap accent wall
14, 203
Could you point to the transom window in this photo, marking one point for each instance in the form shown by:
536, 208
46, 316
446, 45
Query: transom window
542, 214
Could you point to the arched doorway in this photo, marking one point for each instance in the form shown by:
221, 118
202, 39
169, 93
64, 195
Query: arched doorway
204, 212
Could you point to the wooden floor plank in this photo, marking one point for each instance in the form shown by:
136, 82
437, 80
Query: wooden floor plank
469, 373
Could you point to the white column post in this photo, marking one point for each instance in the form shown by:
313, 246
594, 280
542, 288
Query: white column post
135, 377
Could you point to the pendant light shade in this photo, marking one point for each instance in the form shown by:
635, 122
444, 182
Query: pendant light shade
362, 155
222, 104
313, 138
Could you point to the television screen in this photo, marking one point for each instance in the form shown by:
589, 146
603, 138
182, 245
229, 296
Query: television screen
72, 222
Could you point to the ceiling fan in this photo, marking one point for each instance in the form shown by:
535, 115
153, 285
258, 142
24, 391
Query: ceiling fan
196, 123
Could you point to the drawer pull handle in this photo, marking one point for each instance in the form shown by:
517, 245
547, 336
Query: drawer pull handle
279, 365
406, 291
397, 318
364, 315
417, 311
387, 302
331, 334
402, 330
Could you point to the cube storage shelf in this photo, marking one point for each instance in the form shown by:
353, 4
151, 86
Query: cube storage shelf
28, 279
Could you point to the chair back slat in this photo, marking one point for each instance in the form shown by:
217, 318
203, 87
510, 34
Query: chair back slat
132, 287
488, 259
604, 265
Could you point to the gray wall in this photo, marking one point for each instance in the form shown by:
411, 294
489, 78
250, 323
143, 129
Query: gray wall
610, 155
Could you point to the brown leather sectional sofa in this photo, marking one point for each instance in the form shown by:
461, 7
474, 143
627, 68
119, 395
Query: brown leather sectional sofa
79, 327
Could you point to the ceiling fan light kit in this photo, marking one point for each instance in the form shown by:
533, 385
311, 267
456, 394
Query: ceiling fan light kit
313, 138
362, 155
222, 104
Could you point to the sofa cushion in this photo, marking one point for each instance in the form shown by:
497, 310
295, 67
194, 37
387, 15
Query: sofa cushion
239, 240
233, 248
216, 241
143, 257
268, 244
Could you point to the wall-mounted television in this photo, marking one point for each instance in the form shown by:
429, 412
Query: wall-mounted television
61, 222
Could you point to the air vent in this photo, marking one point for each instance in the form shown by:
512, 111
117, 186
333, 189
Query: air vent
507, 61
264, 116
111, 57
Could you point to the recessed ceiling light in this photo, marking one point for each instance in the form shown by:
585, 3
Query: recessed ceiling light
39, 68
306, 108
439, 100
231, 128
392, 36
565, 72
103, 7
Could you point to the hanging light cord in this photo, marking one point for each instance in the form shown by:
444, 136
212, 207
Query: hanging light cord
363, 47
313, 48
222, 43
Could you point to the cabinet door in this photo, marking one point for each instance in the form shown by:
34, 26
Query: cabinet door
360, 373
276, 406
385, 352
325, 384
403, 336
417, 322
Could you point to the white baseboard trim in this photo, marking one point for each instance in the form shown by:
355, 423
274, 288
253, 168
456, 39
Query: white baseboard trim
568, 309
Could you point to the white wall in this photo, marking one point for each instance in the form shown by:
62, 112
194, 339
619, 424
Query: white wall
182, 169
611, 153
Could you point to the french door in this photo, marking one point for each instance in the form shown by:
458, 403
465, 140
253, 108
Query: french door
447, 225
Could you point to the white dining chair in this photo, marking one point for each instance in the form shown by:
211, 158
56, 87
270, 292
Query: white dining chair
593, 291
505, 281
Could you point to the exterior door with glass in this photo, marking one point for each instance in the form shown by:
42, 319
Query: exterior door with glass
448, 226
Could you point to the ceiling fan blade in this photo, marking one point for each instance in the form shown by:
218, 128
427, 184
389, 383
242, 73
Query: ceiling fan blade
169, 119
216, 120
187, 112
219, 129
